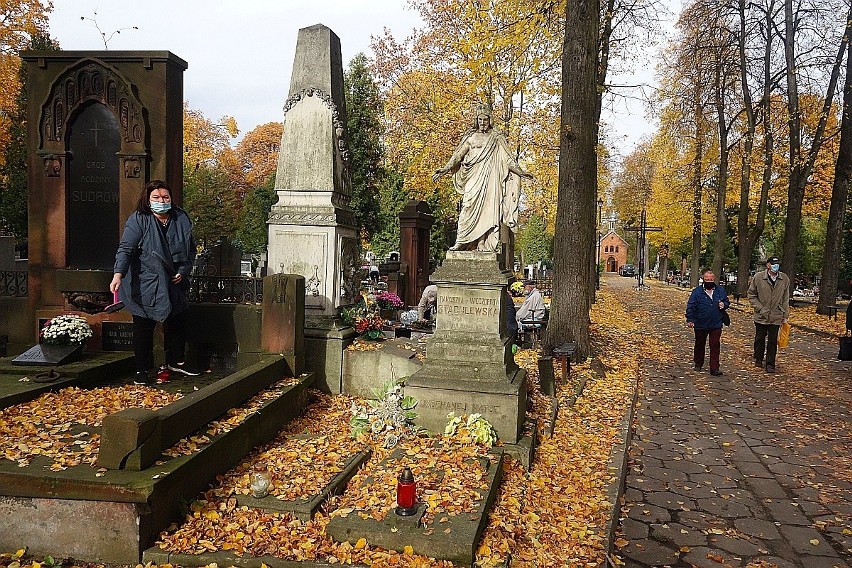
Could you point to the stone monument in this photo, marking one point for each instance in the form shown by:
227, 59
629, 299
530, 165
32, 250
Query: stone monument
100, 125
415, 222
469, 366
311, 226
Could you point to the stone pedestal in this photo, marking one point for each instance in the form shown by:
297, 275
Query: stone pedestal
469, 366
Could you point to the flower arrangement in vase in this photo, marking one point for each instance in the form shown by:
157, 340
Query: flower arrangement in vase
67, 329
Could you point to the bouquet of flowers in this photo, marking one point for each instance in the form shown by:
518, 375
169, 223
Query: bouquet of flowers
369, 326
473, 428
66, 329
389, 301
390, 415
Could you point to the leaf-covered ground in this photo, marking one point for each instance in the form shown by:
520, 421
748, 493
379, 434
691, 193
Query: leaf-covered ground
553, 515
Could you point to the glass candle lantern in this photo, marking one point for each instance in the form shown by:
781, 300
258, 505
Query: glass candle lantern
406, 493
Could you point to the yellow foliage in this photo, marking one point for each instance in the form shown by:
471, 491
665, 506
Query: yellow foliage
504, 53
20, 20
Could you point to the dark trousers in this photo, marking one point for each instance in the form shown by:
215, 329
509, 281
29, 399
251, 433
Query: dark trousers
701, 336
765, 339
174, 340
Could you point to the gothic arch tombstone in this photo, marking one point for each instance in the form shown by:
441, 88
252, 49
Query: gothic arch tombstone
92, 137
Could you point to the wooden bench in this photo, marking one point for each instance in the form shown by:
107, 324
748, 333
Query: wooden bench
832, 310
534, 328
563, 354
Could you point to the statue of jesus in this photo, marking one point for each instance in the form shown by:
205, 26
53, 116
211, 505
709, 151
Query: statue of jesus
489, 180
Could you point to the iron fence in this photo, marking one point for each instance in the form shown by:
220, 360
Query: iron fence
13, 283
226, 290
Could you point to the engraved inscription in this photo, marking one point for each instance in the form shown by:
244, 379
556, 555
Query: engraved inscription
468, 306
461, 406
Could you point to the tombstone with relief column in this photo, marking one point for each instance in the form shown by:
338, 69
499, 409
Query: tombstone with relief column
311, 226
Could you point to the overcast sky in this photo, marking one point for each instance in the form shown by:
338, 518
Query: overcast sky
240, 53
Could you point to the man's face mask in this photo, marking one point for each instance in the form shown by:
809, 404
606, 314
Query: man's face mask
775, 267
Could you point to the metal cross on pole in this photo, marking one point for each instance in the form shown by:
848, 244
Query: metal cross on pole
641, 231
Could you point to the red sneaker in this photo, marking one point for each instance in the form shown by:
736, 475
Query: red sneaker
163, 375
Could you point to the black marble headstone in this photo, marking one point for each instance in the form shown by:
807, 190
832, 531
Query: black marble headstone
117, 336
93, 188
218, 357
42, 354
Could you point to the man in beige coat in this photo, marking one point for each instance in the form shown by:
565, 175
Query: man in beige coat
769, 295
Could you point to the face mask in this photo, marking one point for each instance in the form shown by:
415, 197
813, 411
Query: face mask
709, 285
160, 207
774, 267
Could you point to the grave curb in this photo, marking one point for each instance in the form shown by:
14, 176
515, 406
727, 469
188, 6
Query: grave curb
618, 463
304, 509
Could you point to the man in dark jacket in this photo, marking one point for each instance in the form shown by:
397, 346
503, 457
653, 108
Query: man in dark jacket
704, 313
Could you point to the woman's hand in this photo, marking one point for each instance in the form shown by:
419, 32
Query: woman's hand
177, 278
116, 282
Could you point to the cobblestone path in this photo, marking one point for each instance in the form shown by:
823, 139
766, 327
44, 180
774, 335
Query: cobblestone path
745, 469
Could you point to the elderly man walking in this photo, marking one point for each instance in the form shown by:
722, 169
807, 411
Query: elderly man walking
704, 313
769, 295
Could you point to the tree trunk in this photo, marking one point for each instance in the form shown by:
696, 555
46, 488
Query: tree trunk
748, 237
721, 237
801, 167
576, 199
839, 195
697, 190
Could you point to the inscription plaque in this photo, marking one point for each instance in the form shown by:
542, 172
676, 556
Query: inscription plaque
116, 336
93, 223
41, 354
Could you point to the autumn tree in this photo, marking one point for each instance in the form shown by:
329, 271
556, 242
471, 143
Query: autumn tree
803, 25
13, 169
255, 159
534, 242
20, 22
211, 176
257, 153
575, 214
839, 197
364, 109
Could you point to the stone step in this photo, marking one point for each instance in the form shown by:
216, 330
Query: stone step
114, 515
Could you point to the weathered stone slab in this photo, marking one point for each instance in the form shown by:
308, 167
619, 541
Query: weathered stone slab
305, 507
96, 530
365, 371
457, 542
43, 354
503, 404
546, 377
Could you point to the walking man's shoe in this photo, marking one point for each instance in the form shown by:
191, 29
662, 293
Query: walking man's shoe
183, 370
770, 368
697, 368
717, 373
758, 363
142, 379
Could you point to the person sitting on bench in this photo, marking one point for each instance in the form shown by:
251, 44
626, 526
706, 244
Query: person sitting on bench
531, 313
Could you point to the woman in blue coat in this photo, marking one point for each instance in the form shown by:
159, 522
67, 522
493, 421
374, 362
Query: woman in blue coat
151, 274
705, 310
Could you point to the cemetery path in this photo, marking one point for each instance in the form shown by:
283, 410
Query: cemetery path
745, 469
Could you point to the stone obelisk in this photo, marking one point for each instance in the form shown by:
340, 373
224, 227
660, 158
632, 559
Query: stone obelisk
311, 226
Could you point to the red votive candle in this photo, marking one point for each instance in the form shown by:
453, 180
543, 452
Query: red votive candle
406, 493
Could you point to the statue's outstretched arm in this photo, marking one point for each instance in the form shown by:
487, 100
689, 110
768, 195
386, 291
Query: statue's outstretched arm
454, 162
